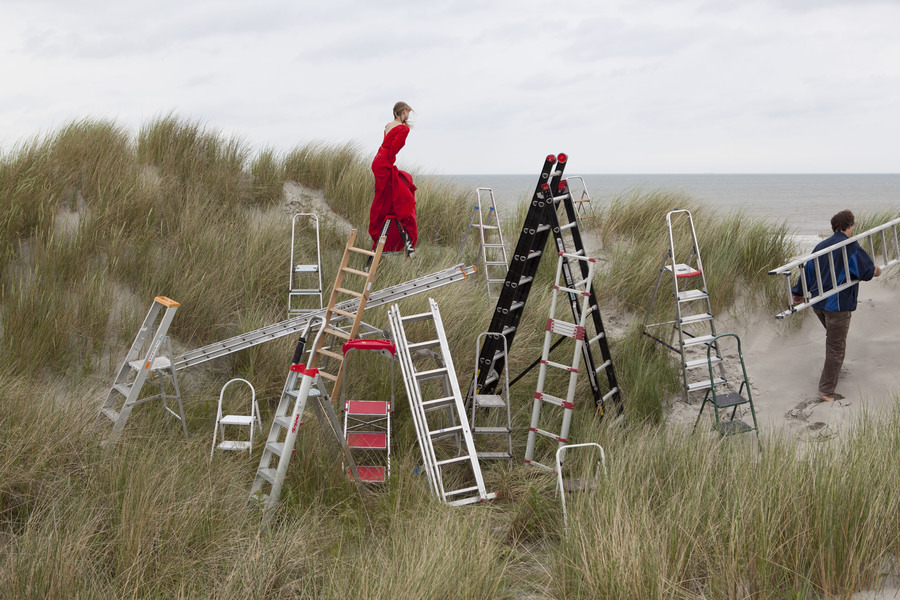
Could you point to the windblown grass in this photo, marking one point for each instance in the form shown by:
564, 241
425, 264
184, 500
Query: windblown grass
95, 223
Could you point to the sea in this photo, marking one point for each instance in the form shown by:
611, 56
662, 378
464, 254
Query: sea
804, 202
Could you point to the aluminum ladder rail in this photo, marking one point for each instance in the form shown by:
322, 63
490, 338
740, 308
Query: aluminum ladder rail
575, 331
297, 324
145, 362
302, 385
483, 406
304, 270
541, 220
697, 330
373, 258
884, 237
449, 401
492, 253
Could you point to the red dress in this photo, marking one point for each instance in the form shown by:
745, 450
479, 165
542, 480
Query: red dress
395, 193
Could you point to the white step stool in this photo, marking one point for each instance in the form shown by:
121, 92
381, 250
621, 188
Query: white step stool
252, 421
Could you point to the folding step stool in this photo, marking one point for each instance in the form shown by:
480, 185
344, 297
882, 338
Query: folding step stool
573, 331
251, 421
696, 330
155, 368
491, 251
436, 404
307, 272
367, 423
730, 399
541, 220
492, 410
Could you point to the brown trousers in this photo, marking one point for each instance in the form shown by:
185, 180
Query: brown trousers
836, 324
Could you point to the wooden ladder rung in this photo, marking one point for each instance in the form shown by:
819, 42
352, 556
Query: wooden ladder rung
361, 251
348, 292
354, 271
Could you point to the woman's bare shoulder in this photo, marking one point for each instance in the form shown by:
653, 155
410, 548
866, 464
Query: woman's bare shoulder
392, 125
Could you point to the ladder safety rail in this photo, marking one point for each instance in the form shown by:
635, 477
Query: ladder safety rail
304, 270
297, 324
439, 419
560, 484
886, 236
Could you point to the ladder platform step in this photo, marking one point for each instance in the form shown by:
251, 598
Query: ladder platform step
110, 413
306, 268
699, 318
283, 422
267, 474
431, 374
368, 408
313, 392
276, 448
489, 401
683, 271
695, 341
491, 430
701, 362
370, 474
159, 363
368, 440
237, 420
730, 399
690, 295
494, 456
122, 388
705, 384
233, 445
733, 427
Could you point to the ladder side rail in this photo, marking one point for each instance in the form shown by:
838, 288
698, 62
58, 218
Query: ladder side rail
137, 344
413, 395
458, 399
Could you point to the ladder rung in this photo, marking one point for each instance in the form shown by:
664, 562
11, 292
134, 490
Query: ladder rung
516, 305
494, 245
431, 374
610, 394
327, 376
701, 362
508, 330
526, 279
498, 263
361, 251
122, 389
110, 413
700, 318
488, 227
330, 354
445, 431
276, 448
464, 491
355, 272
567, 226
417, 317
542, 228
597, 337
547, 434
534, 254
491, 378
424, 345
348, 292
550, 399
490, 430
438, 403
337, 333
704, 385
494, 456
283, 422
306, 268
455, 459
343, 313
603, 366
703, 339
267, 474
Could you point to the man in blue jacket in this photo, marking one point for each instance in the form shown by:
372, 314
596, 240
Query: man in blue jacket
834, 312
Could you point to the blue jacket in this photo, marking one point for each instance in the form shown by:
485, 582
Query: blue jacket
862, 268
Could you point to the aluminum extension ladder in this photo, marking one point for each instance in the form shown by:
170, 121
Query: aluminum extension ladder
302, 385
147, 361
693, 322
311, 272
542, 219
367, 423
882, 244
490, 415
491, 251
436, 404
574, 331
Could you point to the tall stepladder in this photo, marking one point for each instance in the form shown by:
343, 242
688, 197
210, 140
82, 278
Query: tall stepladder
149, 360
305, 278
492, 249
556, 328
449, 457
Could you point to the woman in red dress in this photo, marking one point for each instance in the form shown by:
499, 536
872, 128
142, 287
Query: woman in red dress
394, 189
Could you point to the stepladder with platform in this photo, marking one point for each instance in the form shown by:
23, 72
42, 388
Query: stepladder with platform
149, 360
307, 381
491, 249
552, 212
690, 329
490, 415
449, 457
305, 283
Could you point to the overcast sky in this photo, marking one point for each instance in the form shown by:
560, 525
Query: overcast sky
632, 86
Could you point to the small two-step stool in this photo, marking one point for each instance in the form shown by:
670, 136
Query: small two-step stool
367, 423
251, 421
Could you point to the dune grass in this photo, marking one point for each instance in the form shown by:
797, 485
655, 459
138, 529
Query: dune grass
95, 222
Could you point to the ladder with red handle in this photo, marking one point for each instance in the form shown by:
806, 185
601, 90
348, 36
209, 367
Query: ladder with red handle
693, 324
149, 360
302, 385
435, 401
540, 420
367, 423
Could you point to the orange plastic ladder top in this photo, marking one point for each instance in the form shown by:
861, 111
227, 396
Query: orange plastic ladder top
167, 302
369, 345
368, 408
